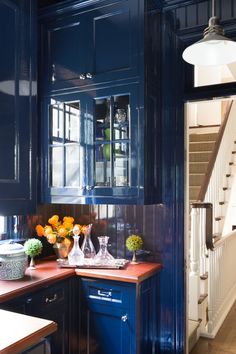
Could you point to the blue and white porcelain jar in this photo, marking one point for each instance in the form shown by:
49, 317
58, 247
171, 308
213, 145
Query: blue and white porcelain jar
13, 261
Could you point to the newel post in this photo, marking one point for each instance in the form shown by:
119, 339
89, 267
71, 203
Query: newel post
200, 241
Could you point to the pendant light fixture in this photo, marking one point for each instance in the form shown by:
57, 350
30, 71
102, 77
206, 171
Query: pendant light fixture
214, 48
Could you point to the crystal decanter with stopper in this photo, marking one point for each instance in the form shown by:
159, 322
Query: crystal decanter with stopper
103, 256
87, 245
76, 256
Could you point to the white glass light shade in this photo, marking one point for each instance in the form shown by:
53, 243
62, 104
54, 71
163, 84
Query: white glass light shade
211, 50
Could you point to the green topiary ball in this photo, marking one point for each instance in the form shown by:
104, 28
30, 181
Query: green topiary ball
33, 247
134, 243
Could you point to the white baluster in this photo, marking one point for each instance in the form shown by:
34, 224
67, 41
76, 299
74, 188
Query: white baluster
194, 285
222, 282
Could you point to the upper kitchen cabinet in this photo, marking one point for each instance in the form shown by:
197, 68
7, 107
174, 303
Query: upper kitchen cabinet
100, 102
89, 42
18, 106
91, 151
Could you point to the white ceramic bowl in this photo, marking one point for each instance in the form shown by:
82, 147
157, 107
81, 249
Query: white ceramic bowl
13, 261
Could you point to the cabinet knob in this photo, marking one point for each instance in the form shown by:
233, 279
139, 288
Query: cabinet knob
124, 318
49, 300
89, 188
82, 76
89, 76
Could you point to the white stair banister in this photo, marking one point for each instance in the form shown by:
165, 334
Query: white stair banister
220, 176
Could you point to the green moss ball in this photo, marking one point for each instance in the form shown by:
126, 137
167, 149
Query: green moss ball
134, 243
33, 247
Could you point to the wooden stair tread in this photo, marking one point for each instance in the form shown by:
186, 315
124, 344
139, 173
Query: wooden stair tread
204, 276
202, 298
216, 237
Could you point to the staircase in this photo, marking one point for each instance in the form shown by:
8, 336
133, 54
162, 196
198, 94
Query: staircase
200, 151
212, 171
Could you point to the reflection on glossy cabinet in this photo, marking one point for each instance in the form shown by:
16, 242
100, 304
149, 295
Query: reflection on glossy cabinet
100, 103
18, 107
118, 315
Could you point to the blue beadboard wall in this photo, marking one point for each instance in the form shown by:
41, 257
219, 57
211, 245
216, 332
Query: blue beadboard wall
116, 221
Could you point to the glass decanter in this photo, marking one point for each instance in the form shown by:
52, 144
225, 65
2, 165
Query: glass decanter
87, 245
103, 256
76, 256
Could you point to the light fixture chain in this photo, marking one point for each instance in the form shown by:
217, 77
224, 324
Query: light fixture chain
212, 8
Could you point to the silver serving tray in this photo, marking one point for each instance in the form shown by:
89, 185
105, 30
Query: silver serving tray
117, 264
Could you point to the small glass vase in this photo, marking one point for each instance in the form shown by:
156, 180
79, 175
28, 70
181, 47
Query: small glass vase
76, 256
87, 246
62, 249
103, 257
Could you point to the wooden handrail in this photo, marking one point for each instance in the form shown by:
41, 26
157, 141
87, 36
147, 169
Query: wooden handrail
211, 163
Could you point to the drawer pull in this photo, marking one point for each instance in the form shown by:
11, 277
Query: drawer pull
89, 75
82, 76
49, 300
124, 318
104, 293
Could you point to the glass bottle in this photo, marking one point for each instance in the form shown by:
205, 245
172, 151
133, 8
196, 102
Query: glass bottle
87, 245
103, 256
76, 256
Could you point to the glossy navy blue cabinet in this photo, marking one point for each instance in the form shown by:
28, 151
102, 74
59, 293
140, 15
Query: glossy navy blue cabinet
54, 303
90, 152
18, 106
88, 43
117, 316
101, 130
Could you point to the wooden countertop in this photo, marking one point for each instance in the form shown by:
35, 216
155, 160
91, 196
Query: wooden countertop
133, 273
46, 272
18, 332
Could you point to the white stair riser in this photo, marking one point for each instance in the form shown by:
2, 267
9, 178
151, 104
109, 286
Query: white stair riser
203, 286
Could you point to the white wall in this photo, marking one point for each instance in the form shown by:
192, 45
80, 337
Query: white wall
204, 113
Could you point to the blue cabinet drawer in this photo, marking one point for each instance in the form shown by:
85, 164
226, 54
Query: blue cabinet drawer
107, 293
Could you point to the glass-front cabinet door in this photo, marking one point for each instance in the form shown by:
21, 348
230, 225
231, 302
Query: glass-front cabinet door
90, 147
114, 157
112, 141
66, 145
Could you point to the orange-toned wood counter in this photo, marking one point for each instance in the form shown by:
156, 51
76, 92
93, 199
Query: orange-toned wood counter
133, 273
19, 332
46, 272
